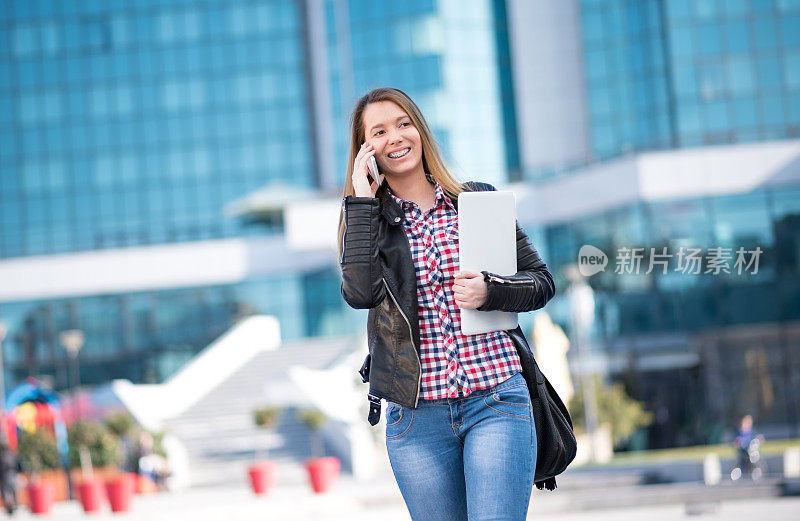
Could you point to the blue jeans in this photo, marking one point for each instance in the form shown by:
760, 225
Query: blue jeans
470, 457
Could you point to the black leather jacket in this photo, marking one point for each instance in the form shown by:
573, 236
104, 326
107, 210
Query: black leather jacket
378, 274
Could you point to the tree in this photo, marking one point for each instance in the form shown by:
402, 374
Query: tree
615, 407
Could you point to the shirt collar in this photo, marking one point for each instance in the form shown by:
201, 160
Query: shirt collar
439, 196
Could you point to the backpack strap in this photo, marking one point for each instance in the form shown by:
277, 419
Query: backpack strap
549, 484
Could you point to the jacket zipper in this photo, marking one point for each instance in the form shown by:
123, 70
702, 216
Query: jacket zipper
504, 281
344, 235
411, 337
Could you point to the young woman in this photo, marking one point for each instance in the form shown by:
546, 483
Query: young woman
460, 433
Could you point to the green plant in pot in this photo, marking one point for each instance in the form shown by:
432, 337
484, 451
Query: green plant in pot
38, 451
267, 417
102, 443
121, 424
263, 474
314, 420
322, 471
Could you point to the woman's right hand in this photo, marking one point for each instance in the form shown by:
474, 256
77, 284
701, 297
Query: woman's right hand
361, 181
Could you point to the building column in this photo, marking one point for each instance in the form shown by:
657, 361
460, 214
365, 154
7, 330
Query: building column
319, 97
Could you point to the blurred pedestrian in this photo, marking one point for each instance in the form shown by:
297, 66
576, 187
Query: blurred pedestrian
460, 433
151, 465
744, 435
10, 469
748, 456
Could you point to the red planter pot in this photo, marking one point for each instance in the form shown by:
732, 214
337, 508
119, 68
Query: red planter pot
120, 492
41, 496
323, 473
263, 476
133, 479
91, 494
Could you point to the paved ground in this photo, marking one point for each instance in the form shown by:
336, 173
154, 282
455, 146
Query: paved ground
353, 501
772, 509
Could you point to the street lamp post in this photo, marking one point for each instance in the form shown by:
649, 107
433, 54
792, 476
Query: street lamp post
582, 308
72, 340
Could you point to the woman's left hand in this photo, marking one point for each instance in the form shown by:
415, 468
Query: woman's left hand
469, 289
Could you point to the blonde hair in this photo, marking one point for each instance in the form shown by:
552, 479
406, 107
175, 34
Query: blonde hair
432, 161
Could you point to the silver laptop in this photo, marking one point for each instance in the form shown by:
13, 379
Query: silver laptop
487, 241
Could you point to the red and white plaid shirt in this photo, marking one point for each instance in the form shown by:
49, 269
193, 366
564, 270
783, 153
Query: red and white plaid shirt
451, 361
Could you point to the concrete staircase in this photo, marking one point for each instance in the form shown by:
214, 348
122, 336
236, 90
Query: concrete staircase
218, 431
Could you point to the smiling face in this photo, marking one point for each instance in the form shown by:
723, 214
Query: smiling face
397, 143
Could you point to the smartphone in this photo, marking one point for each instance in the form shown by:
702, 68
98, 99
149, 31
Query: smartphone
373, 170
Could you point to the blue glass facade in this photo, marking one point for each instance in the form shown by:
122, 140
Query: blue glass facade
734, 65
626, 76
677, 301
686, 73
134, 123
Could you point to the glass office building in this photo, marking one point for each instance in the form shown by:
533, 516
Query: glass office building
687, 140
131, 125
129, 129
700, 346
686, 73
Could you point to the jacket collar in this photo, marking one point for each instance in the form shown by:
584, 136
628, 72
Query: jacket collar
390, 210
